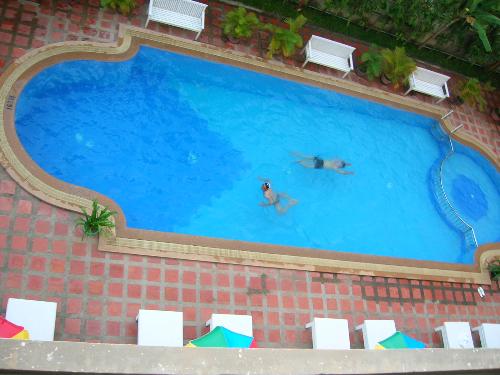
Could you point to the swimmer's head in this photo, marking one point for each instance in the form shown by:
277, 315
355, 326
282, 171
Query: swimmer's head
265, 186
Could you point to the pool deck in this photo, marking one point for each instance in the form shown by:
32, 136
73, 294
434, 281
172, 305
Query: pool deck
99, 293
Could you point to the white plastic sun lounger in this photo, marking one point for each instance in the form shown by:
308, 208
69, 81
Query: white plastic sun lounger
186, 14
37, 317
430, 83
330, 333
237, 323
375, 331
489, 334
456, 335
160, 328
328, 53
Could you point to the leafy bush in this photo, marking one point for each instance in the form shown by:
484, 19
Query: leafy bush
286, 41
99, 220
470, 92
372, 63
122, 6
397, 66
240, 24
494, 268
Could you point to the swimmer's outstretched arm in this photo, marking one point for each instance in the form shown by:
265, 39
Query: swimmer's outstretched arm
264, 179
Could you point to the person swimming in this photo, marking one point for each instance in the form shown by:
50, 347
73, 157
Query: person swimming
275, 199
315, 162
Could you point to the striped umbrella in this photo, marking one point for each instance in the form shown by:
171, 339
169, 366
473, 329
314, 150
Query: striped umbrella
400, 340
10, 330
221, 337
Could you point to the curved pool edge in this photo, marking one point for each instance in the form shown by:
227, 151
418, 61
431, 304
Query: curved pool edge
127, 240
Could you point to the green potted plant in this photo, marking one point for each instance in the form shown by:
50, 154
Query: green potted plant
371, 64
239, 24
99, 220
288, 40
470, 92
396, 66
494, 268
122, 6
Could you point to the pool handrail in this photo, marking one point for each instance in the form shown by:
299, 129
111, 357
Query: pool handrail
450, 152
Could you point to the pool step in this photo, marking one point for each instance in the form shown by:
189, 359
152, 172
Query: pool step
447, 210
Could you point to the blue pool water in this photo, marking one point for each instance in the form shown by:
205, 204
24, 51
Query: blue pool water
179, 144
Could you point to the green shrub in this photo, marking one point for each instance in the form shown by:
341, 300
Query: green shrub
240, 24
397, 66
286, 40
372, 63
99, 220
470, 92
122, 6
494, 268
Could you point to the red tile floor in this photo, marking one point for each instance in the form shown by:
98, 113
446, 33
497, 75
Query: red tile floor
99, 294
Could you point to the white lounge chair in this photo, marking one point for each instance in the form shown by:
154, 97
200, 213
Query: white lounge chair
489, 334
237, 323
430, 83
160, 328
330, 333
328, 53
37, 317
456, 335
186, 14
375, 331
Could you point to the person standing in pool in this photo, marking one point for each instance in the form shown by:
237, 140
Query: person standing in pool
276, 199
315, 162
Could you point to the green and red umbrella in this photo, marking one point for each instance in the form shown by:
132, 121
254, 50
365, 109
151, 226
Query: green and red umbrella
9, 330
400, 340
221, 337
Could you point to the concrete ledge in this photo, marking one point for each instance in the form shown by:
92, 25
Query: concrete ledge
86, 358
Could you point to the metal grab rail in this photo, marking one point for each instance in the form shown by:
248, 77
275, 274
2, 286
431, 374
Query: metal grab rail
466, 228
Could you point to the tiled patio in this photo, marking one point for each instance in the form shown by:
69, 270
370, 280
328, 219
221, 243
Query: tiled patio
99, 294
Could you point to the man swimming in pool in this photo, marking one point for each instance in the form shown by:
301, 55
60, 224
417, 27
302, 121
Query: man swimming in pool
276, 199
315, 162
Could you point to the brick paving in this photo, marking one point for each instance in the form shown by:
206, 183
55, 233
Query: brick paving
99, 294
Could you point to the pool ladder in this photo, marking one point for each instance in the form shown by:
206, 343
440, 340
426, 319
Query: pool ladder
444, 203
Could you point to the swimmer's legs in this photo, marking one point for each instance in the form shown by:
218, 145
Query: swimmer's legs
306, 163
291, 202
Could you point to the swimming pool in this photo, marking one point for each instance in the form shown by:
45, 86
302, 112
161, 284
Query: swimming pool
179, 144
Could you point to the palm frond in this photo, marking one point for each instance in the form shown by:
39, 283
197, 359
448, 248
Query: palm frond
481, 33
97, 221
